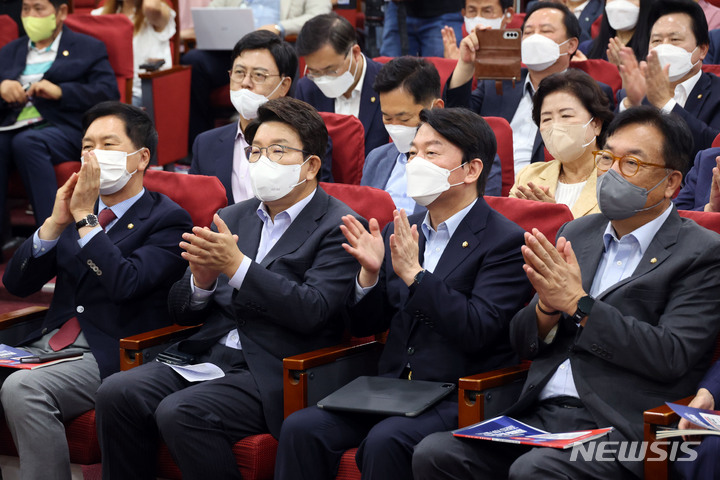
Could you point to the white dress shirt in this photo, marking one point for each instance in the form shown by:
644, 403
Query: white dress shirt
351, 106
240, 178
523, 127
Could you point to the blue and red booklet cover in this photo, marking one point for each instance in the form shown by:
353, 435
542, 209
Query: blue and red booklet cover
509, 430
707, 421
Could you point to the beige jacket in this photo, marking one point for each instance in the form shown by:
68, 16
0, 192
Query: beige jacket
293, 13
547, 173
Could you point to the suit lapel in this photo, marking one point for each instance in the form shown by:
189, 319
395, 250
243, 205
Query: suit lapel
66, 44
699, 95
128, 223
369, 103
248, 228
588, 197
385, 168
225, 154
589, 250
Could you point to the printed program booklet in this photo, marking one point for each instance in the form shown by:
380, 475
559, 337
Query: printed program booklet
10, 357
509, 430
708, 422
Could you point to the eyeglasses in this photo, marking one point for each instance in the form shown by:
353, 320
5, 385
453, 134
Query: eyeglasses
629, 165
273, 152
330, 72
258, 78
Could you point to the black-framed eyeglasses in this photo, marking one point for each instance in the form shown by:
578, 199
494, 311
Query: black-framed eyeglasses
257, 78
629, 164
274, 152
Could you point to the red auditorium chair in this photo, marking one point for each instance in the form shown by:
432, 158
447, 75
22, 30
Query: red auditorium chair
348, 146
602, 71
8, 30
503, 135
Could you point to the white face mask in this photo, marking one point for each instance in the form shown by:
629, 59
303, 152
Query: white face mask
402, 136
247, 102
679, 59
494, 23
426, 181
622, 15
113, 169
566, 141
540, 52
333, 87
272, 181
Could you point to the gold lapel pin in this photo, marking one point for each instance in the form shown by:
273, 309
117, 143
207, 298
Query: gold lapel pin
465, 244
699, 96
65, 53
131, 226
372, 99
653, 260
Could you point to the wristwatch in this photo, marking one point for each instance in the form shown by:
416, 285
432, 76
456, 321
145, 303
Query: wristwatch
584, 305
89, 221
418, 277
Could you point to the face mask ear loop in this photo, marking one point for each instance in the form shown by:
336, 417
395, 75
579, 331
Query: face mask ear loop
459, 166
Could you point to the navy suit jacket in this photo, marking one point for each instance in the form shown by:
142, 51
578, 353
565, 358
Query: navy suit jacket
81, 69
648, 338
695, 194
117, 285
701, 112
713, 55
370, 115
485, 101
455, 322
289, 303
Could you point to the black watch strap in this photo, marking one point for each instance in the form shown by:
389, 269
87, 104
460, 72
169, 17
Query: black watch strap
89, 221
584, 305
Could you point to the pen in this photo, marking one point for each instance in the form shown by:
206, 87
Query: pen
48, 357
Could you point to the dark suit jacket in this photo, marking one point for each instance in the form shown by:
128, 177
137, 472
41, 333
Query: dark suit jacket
455, 322
485, 101
701, 112
713, 55
117, 285
288, 304
695, 194
212, 155
648, 338
370, 115
84, 74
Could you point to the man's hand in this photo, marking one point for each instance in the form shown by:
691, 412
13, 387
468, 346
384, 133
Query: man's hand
703, 399
12, 91
367, 248
404, 248
713, 204
534, 192
553, 272
61, 216
87, 189
657, 83
214, 251
45, 89
633, 76
465, 68
450, 46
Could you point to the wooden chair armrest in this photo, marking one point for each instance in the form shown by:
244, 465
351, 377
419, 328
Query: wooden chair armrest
10, 319
476, 392
327, 355
662, 416
164, 72
132, 349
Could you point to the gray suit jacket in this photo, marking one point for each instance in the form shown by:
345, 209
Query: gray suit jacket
289, 303
648, 338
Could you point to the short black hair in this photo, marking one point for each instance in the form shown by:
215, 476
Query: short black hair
692, 9
572, 26
677, 137
323, 29
283, 53
138, 125
505, 4
415, 75
581, 86
469, 132
299, 116
58, 3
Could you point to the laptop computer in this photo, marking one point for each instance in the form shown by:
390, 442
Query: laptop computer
220, 28
387, 396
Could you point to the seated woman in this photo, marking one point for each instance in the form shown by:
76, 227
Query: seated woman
624, 21
154, 26
572, 112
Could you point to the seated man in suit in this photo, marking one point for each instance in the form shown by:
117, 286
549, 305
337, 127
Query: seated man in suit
445, 282
672, 78
550, 38
114, 271
701, 189
339, 77
47, 81
406, 86
625, 315
272, 290
263, 67
586, 11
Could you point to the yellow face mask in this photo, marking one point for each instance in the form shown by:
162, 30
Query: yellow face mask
39, 28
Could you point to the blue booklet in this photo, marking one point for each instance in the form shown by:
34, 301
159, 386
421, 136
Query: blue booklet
708, 422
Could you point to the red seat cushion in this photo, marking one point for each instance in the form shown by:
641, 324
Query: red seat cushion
8, 30
348, 470
529, 214
602, 71
367, 201
503, 135
709, 220
348, 139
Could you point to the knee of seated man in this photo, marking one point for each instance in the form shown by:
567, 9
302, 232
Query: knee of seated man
115, 391
537, 463
431, 451
17, 388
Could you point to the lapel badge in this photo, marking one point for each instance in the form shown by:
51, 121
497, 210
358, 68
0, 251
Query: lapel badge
372, 99
699, 96
465, 244
65, 53
653, 260
131, 226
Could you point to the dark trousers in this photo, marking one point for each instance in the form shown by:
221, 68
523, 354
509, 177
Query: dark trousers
443, 456
707, 464
209, 71
199, 422
313, 440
